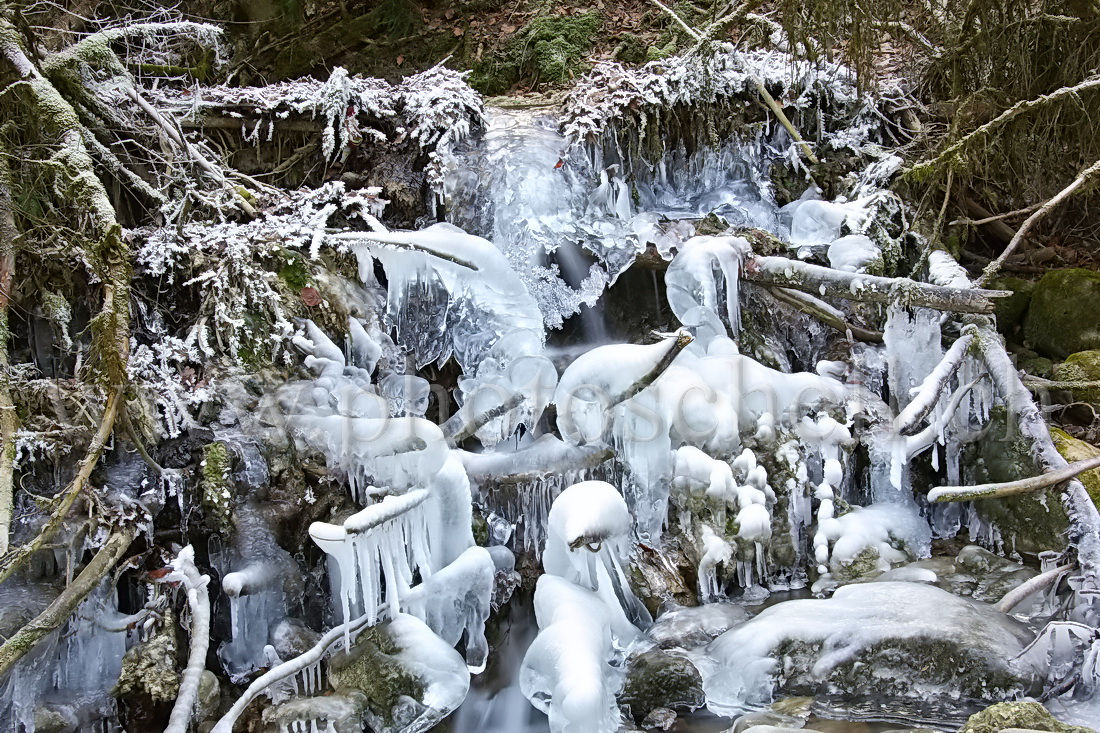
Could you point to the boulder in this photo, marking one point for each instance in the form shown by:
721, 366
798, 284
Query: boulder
411, 679
904, 642
1083, 366
656, 679
1026, 715
696, 626
1061, 318
1011, 311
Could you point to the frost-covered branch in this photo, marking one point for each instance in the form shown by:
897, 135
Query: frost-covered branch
928, 394
677, 344
826, 281
1012, 488
198, 598
462, 425
825, 313
548, 455
287, 669
62, 607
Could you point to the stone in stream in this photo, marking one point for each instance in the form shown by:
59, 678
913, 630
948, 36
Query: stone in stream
903, 641
1018, 715
657, 679
695, 626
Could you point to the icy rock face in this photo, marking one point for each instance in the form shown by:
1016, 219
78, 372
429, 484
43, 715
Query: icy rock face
696, 626
867, 540
705, 274
901, 640
411, 678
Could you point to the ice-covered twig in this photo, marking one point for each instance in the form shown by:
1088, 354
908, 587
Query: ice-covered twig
198, 598
1012, 488
819, 280
548, 455
914, 444
462, 425
825, 313
288, 668
400, 240
929, 392
680, 342
1040, 582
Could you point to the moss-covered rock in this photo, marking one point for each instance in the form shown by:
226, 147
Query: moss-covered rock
1025, 715
1027, 523
217, 494
1010, 311
1061, 318
1072, 450
149, 669
1083, 366
657, 679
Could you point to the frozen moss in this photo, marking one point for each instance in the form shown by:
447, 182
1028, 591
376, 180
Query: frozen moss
217, 496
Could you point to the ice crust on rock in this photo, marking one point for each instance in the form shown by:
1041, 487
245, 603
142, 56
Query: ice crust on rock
909, 620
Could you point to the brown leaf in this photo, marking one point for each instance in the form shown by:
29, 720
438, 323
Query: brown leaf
508, 28
449, 13
310, 297
459, 32
400, 60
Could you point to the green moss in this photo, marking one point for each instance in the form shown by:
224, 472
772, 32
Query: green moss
1023, 715
1083, 366
1061, 318
295, 273
149, 669
550, 49
632, 50
217, 496
369, 668
1072, 450
480, 528
862, 565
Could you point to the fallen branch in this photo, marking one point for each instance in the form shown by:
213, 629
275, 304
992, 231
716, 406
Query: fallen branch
1039, 583
993, 267
9, 421
825, 281
546, 456
916, 444
62, 503
1038, 383
928, 394
198, 598
62, 607
287, 669
679, 343
1012, 488
825, 313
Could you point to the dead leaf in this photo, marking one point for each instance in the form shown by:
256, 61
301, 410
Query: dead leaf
449, 13
508, 28
400, 60
310, 297
459, 32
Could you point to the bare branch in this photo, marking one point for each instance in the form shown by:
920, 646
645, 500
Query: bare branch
825, 313
1012, 488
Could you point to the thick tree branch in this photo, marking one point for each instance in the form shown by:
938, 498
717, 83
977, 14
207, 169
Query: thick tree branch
825, 313
59, 611
1012, 488
198, 598
928, 395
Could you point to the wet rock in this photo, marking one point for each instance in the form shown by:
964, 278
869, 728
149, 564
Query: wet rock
411, 679
1061, 318
210, 693
658, 578
149, 669
1011, 311
1026, 715
897, 641
342, 712
695, 626
657, 679
292, 637
662, 718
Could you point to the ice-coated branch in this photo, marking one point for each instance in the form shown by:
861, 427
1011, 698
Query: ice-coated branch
819, 280
547, 455
678, 343
914, 444
928, 394
198, 598
1039, 583
62, 503
62, 607
1012, 488
825, 313
389, 508
1084, 520
462, 425
287, 669
400, 240
994, 267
